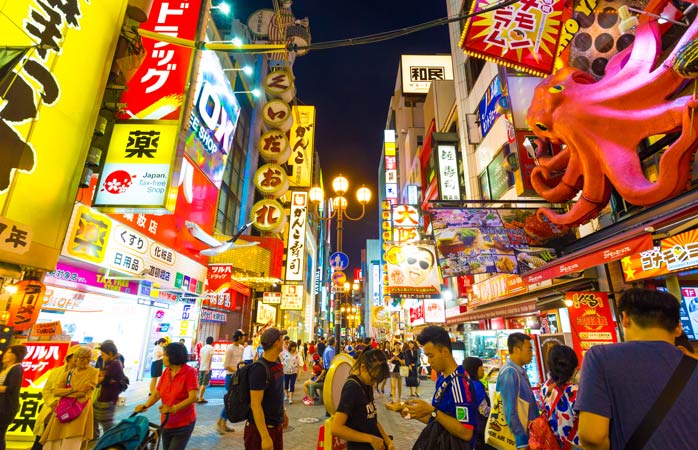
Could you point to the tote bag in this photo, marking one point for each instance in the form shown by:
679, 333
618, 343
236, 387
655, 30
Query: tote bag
497, 433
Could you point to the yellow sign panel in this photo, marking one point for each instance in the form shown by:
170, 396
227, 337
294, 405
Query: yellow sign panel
49, 113
302, 146
89, 237
137, 171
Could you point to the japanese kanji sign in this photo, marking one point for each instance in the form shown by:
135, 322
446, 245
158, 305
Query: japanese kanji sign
591, 320
418, 71
295, 250
98, 239
405, 224
218, 293
300, 163
268, 215
48, 109
14, 237
137, 168
265, 313
274, 147
41, 357
523, 35
449, 180
292, 296
271, 298
157, 89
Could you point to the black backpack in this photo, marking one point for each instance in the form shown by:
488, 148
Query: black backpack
237, 400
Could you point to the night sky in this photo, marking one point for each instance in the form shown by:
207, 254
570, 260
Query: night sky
351, 89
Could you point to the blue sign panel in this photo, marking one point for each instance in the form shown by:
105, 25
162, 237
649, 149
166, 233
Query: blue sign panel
487, 108
339, 261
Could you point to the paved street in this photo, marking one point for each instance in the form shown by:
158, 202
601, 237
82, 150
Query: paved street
304, 421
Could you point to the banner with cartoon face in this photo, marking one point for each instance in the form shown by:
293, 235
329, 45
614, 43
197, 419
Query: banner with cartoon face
412, 271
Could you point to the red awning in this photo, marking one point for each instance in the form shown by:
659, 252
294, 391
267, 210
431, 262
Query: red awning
595, 255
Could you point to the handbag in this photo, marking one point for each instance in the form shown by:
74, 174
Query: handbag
69, 408
435, 437
663, 404
497, 432
541, 435
404, 371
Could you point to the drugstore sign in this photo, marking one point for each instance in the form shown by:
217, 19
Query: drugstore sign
98, 239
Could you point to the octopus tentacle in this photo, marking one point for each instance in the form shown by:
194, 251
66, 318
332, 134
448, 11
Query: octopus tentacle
563, 190
556, 162
674, 166
582, 211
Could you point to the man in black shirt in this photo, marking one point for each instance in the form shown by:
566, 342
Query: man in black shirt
321, 347
264, 430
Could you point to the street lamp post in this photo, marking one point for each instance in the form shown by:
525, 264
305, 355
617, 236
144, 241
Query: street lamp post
340, 185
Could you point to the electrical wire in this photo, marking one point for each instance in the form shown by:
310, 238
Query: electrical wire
386, 35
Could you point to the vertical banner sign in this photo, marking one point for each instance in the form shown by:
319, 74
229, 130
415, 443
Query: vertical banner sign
156, 92
300, 163
295, 254
45, 103
523, 36
449, 184
405, 224
25, 304
292, 297
41, 358
591, 321
218, 287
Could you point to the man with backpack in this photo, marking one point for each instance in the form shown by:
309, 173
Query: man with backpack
640, 393
264, 428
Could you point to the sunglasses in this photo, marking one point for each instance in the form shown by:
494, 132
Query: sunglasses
423, 264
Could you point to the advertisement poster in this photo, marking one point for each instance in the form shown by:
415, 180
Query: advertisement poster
473, 241
434, 310
41, 357
591, 321
414, 309
523, 35
689, 311
217, 369
412, 271
213, 119
292, 296
265, 314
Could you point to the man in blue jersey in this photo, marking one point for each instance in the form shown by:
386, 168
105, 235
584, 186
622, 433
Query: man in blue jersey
454, 395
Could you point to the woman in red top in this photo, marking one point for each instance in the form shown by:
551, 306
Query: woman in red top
177, 388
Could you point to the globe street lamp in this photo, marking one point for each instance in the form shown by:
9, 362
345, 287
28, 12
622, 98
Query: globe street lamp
340, 186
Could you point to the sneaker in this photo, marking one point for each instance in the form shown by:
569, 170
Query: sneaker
290, 402
308, 401
222, 428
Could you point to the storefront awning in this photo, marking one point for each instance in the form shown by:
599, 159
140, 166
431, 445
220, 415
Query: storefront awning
523, 306
621, 246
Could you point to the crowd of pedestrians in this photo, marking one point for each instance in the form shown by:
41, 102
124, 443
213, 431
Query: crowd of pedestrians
637, 394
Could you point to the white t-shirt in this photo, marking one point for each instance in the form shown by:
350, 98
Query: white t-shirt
233, 356
158, 353
205, 355
248, 353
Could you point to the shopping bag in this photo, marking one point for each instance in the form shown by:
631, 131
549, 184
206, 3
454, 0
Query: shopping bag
404, 371
69, 409
497, 433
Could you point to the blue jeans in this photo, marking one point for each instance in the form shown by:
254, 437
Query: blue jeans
228, 377
177, 438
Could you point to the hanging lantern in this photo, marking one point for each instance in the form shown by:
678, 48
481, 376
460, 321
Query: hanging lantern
271, 180
277, 114
274, 147
280, 85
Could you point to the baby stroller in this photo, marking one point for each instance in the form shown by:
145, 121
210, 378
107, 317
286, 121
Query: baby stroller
133, 433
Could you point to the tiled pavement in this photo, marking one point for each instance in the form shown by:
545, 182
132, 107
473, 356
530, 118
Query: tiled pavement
304, 421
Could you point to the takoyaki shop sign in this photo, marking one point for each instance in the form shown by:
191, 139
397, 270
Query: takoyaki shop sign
471, 241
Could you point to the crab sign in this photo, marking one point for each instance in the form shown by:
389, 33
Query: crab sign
601, 123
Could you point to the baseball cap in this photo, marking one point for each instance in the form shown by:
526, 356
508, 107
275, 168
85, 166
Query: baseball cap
270, 336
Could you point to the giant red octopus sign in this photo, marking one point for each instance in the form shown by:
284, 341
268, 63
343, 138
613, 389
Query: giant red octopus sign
602, 123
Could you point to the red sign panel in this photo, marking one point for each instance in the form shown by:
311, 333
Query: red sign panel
197, 198
602, 256
42, 357
591, 321
156, 91
524, 35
